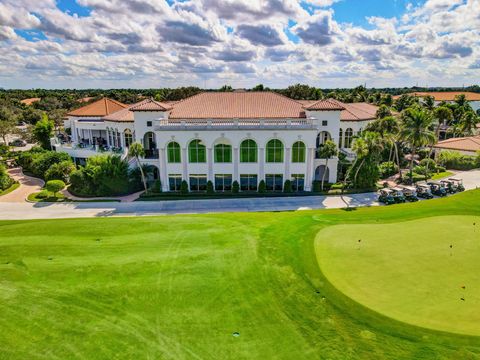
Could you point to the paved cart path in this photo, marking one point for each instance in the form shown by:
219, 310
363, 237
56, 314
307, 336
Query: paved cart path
19, 210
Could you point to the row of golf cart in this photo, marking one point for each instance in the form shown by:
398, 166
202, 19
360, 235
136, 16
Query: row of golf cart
403, 193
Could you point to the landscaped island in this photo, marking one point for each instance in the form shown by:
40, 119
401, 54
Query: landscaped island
241, 285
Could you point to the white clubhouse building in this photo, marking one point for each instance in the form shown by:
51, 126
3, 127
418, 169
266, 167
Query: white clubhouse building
222, 137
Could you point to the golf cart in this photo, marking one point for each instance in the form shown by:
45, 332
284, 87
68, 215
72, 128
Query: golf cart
449, 186
437, 188
458, 183
410, 193
424, 191
385, 196
397, 194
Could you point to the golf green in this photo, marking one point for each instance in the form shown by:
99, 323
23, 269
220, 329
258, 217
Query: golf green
423, 272
243, 285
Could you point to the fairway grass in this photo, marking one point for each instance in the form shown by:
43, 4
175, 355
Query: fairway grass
217, 286
424, 272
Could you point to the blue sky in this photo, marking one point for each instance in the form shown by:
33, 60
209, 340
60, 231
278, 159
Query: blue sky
326, 43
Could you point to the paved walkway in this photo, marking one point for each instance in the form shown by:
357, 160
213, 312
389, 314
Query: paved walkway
27, 186
14, 211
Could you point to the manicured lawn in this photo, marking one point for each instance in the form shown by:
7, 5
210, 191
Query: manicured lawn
408, 271
179, 287
61, 198
442, 175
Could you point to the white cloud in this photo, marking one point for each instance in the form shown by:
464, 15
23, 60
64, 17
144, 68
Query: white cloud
277, 42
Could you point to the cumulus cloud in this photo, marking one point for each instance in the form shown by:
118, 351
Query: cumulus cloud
277, 42
319, 29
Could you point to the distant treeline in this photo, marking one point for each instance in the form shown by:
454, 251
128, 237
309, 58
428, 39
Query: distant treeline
72, 98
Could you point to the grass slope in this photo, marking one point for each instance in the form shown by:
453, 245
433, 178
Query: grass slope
408, 270
178, 287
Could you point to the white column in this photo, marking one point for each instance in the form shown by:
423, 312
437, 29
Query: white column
210, 164
163, 169
287, 164
310, 169
261, 164
184, 165
236, 160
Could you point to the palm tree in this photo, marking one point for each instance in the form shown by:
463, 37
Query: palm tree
468, 123
137, 151
416, 131
429, 102
383, 111
328, 150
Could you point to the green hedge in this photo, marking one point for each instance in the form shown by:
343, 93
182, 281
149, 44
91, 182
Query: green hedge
457, 161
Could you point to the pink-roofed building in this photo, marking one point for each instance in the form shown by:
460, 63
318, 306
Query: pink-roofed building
229, 136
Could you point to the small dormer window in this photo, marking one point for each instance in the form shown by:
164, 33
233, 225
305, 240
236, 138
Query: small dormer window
149, 124
324, 122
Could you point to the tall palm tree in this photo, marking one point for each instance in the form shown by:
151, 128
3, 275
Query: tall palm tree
416, 131
137, 151
328, 150
429, 102
468, 123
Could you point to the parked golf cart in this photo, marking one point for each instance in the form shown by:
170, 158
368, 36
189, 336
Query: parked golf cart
424, 191
410, 193
397, 194
458, 183
437, 188
450, 188
385, 196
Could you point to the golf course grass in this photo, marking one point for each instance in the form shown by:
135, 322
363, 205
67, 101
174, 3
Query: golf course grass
424, 272
222, 286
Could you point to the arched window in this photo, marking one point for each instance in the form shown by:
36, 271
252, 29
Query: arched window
322, 138
248, 151
128, 137
298, 152
340, 136
348, 138
197, 153
223, 153
173, 152
274, 151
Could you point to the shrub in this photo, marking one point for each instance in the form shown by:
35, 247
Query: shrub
210, 189
235, 187
104, 175
184, 187
44, 194
432, 165
262, 188
5, 180
440, 169
387, 169
422, 170
317, 186
287, 186
39, 161
60, 171
55, 186
456, 160
157, 186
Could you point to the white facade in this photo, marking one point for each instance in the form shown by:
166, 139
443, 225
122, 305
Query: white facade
156, 131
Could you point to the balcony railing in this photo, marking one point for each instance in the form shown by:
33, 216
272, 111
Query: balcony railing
190, 124
151, 154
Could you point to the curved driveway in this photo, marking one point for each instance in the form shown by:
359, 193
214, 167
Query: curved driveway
14, 211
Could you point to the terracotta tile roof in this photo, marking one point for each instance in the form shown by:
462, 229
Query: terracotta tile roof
445, 96
150, 105
470, 143
98, 108
358, 112
30, 101
241, 105
326, 104
124, 115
